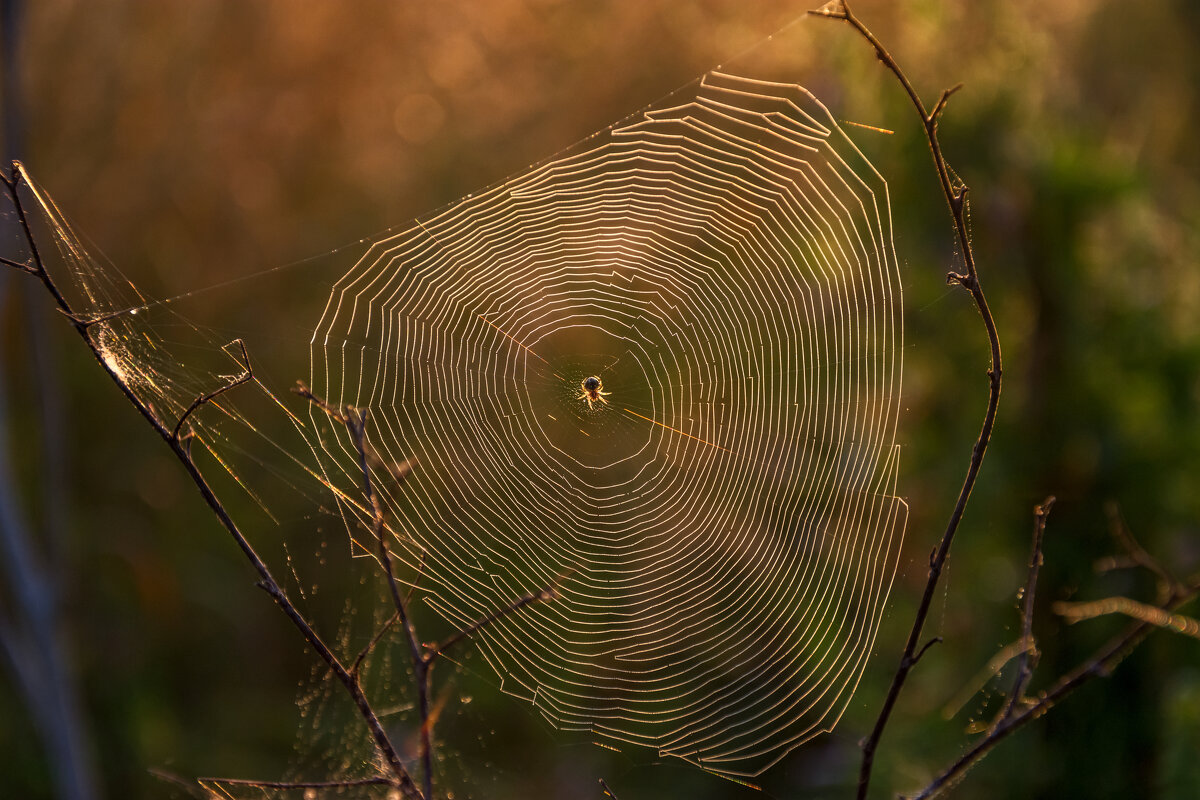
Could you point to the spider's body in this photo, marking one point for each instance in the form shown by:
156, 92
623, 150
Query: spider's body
593, 391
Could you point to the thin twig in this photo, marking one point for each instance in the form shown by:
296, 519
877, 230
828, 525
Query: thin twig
607, 790
417, 580
956, 199
253, 784
542, 595
208, 397
1144, 612
1029, 652
267, 582
366, 651
355, 420
1168, 583
1100, 664
8, 262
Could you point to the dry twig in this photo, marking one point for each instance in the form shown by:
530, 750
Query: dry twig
422, 658
956, 197
399, 776
1020, 710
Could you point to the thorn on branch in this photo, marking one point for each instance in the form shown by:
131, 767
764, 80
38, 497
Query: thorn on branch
208, 397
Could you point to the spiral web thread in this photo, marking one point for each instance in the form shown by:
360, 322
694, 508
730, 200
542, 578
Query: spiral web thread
722, 523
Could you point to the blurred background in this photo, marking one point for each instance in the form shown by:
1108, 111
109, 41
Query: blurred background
198, 143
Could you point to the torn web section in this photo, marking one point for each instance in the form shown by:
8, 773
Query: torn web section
723, 527
165, 375
244, 443
221, 387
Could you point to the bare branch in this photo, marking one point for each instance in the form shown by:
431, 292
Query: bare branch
266, 579
1168, 583
355, 420
1100, 664
1151, 615
955, 194
548, 593
379, 634
8, 262
253, 784
607, 790
1029, 652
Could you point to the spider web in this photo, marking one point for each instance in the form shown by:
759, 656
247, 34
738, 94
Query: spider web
722, 524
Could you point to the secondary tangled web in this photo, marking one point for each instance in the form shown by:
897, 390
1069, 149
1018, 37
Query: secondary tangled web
722, 522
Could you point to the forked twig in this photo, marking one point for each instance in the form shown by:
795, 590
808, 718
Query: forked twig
208, 397
1028, 658
423, 658
399, 774
1100, 664
1168, 584
956, 197
1020, 710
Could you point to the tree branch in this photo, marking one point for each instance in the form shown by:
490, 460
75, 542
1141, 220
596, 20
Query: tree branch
355, 420
1029, 652
955, 195
400, 777
1100, 664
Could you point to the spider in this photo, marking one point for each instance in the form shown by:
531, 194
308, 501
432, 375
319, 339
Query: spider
593, 391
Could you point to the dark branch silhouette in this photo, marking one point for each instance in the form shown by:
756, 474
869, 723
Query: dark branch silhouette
422, 657
399, 775
1019, 710
956, 197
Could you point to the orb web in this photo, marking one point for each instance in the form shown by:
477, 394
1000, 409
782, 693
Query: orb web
721, 522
